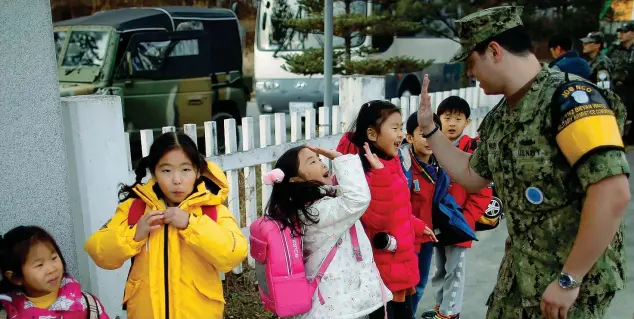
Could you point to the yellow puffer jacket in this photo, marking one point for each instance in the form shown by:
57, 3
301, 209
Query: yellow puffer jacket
176, 273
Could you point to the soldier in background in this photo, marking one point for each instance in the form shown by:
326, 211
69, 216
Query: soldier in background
622, 56
600, 64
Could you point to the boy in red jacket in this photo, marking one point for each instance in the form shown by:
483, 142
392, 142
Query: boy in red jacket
454, 115
422, 171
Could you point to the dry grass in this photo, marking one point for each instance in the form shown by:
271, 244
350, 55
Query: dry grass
243, 301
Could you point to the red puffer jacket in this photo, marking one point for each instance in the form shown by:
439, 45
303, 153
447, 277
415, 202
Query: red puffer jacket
473, 205
390, 212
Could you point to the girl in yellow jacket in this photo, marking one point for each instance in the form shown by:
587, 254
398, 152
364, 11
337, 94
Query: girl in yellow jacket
177, 249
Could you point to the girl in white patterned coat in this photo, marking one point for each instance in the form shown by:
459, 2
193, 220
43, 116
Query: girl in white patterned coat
304, 197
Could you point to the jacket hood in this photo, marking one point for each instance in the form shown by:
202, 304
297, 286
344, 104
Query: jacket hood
205, 193
346, 146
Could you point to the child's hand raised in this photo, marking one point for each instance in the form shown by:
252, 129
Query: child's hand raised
372, 158
330, 154
430, 233
147, 223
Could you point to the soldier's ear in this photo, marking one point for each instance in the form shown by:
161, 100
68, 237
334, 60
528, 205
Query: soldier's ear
496, 51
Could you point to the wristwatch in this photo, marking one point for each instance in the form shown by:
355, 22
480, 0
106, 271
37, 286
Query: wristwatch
567, 282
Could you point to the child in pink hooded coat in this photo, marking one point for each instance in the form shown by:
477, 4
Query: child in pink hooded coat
34, 279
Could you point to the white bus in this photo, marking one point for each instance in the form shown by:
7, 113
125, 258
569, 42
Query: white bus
275, 88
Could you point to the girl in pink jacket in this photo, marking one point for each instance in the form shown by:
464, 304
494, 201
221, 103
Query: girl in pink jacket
34, 279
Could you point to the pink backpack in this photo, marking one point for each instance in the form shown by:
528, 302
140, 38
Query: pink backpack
284, 288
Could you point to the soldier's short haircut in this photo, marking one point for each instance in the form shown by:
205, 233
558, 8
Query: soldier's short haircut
560, 41
515, 40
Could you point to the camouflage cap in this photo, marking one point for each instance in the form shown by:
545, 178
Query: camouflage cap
626, 27
593, 37
481, 25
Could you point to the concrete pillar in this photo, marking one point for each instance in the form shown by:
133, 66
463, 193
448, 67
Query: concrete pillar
354, 90
33, 170
97, 155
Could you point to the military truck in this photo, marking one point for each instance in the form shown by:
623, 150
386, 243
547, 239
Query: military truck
171, 65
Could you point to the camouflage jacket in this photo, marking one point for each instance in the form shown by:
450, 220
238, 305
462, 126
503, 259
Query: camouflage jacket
623, 63
518, 151
599, 63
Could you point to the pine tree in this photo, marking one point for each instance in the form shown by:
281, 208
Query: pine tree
351, 25
542, 18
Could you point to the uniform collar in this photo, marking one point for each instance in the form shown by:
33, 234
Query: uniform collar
515, 108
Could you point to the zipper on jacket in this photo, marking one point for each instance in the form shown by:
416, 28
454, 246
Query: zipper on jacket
165, 274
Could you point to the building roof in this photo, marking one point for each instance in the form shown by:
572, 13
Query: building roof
150, 17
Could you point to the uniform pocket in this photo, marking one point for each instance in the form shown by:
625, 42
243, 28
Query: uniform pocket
532, 169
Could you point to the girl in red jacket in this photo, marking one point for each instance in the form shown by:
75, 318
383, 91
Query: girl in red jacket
388, 221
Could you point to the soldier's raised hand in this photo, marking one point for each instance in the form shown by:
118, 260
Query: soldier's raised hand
425, 113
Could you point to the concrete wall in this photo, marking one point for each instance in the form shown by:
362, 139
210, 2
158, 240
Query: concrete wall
33, 169
97, 157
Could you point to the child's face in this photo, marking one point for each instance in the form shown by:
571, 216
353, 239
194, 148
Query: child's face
311, 168
390, 135
453, 124
176, 176
421, 147
42, 272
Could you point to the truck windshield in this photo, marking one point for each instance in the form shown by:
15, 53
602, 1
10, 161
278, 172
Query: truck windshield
86, 48
60, 38
273, 36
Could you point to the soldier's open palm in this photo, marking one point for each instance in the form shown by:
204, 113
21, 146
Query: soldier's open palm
425, 113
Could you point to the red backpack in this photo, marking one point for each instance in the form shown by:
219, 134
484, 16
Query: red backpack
137, 209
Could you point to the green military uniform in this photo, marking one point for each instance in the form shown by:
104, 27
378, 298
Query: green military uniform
542, 192
600, 65
623, 72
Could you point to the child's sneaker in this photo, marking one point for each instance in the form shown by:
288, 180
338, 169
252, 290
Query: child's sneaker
431, 313
441, 316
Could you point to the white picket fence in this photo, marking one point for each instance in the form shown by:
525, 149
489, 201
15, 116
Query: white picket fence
328, 134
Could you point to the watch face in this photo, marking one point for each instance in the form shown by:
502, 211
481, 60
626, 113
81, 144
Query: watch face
564, 281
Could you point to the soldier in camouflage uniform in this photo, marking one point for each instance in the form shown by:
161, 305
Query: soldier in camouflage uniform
622, 56
565, 194
600, 64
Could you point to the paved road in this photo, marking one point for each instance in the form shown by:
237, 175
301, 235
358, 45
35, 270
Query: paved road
484, 259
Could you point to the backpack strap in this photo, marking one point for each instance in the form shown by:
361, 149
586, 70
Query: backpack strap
211, 212
356, 250
406, 164
137, 209
322, 270
91, 305
331, 255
